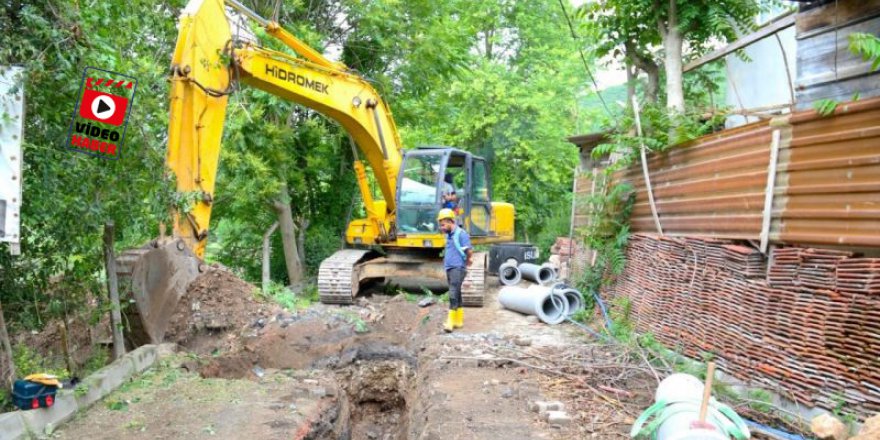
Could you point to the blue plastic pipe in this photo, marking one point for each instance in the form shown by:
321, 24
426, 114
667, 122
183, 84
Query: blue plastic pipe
773, 431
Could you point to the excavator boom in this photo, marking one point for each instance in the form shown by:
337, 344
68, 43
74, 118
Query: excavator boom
207, 66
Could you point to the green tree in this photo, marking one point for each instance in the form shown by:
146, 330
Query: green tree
68, 196
513, 102
631, 29
498, 78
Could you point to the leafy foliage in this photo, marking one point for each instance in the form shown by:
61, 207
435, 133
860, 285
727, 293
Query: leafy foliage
68, 196
499, 78
513, 105
286, 298
27, 361
825, 107
633, 31
607, 232
867, 46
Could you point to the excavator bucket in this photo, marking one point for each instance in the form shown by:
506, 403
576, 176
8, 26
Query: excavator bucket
153, 279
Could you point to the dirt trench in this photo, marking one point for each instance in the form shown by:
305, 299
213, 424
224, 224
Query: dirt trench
372, 373
381, 369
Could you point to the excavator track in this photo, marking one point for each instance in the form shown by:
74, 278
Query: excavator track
474, 287
338, 280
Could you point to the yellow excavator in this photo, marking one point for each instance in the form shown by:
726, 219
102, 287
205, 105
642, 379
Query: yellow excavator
399, 238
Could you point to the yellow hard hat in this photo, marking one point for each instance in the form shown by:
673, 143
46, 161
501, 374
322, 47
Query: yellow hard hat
445, 214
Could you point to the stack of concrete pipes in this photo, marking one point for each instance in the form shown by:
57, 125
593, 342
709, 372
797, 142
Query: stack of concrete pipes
511, 273
551, 304
551, 301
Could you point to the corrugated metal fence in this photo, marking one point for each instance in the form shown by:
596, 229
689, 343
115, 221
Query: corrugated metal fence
826, 190
804, 321
828, 184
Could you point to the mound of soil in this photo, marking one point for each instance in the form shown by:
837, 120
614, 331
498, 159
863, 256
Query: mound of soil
325, 337
215, 304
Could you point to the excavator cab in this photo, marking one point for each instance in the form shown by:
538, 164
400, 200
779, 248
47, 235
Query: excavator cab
429, 174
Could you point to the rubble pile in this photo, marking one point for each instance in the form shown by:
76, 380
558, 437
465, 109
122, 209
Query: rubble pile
809, 329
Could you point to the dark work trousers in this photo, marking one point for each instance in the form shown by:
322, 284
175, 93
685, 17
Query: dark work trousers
455, 276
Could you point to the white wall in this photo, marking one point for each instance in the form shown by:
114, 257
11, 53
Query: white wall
761, 82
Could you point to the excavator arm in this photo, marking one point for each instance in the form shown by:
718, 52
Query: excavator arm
208, 65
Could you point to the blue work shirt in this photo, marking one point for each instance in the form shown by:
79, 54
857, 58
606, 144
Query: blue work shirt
452, 257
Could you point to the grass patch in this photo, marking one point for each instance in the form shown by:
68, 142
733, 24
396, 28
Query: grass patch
287, 299
760, 400
360, 326
99, 358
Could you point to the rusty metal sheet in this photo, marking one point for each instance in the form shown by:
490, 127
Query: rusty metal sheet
830, 206
827, 183
712, 186
738, 202
835, 180
831, 190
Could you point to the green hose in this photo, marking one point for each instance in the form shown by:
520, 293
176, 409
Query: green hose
720, 415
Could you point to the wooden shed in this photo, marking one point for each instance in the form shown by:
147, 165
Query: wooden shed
826, 68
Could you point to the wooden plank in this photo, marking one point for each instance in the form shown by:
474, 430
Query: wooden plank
769, 192
827, 16
867, 86
826, 57
764, 32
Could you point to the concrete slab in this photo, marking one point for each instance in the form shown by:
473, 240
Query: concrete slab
144, 357
64, 409
12, 426
21, 424
104, 381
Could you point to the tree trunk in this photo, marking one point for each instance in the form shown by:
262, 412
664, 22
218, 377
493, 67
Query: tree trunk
672, 45
65, 346
646, 64
632, 75
288, 237
488, 48
113, 289
301, 239
267, 254
653, 87
6, 380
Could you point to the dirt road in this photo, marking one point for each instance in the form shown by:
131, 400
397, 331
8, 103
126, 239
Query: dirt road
381, 369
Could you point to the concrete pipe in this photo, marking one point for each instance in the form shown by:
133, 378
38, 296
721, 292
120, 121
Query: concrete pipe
552, 268
572, 295
509, 274
539, 274
551, 308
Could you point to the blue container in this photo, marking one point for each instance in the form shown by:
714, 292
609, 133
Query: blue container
31, 395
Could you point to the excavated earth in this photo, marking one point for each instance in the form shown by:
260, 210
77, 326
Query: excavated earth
381, 369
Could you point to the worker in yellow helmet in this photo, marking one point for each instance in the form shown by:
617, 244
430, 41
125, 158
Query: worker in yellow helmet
457, 257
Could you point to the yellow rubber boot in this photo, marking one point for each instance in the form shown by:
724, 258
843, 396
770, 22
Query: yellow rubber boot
459, 317
450, 321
